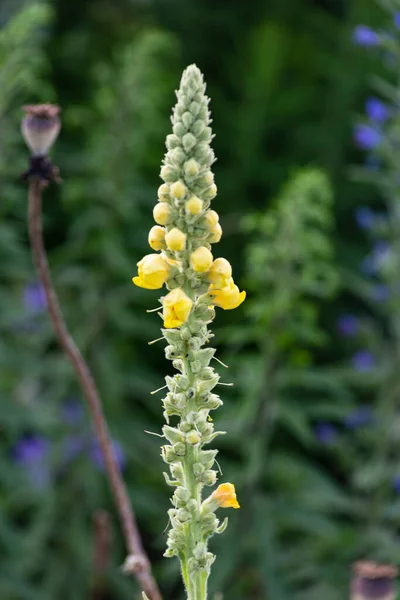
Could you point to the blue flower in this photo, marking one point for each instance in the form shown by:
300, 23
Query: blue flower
34, 298
366, 137
376, 110
325, 433
363, 361
365, 217
347, 325
357, 418
97, 457
396, 19
365, 36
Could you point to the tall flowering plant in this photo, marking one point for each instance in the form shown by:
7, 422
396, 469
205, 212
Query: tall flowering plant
196, 283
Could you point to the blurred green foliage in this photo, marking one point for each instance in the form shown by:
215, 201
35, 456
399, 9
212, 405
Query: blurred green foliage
286, 85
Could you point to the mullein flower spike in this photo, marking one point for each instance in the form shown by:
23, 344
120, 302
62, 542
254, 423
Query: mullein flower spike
186, 228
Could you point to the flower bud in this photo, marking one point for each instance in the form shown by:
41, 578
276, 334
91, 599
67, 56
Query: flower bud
168, 173
216, 234
220, 273
157, 238
175, 239
212, 218
179, 449
40, 127
178, 189
163, 192
201, 259
162, 213
191, 167
194, 205
208, 478
193, 437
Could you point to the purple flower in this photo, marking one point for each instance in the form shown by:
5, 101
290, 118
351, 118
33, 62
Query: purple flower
359, 417
363, 361
376, 110
31, 448
32, 453
72, 412
396, 19
347, 325
34, 298
97, 457
365, 36
365, 217
325, 433
366, 137
380, 292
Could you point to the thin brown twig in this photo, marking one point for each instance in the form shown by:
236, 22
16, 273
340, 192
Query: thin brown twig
137, 562
102, 536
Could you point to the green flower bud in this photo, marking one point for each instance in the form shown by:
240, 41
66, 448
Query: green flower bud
179, 449
173, 141
208, 478
168, 454
183, 515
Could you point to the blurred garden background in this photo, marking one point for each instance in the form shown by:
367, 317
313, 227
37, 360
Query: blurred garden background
298, 94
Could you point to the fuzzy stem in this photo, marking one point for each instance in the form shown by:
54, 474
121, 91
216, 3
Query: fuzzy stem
141, 565
195, 591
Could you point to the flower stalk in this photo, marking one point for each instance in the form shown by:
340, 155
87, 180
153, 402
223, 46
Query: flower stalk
41, 172
186, 228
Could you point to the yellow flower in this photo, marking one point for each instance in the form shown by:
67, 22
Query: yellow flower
153, 272
163, 192
157, 237
201, 259
178, 189
212, 218
161, 213
194, 205
220, 273
225, 496
176, 308
216, 232
175, 240
228, 297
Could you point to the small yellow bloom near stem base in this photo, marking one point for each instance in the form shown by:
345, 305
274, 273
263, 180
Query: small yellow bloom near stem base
223, 497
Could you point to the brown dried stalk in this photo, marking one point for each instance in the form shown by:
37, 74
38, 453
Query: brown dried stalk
137, 562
